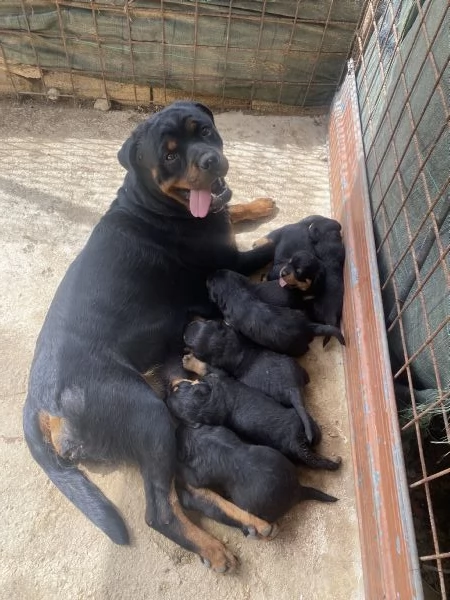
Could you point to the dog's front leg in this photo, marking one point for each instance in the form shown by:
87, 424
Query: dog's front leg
251, 211
165, 514
250, 261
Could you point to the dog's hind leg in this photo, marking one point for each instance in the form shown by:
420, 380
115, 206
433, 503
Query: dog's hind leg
316, 461
215, 507
327, 331
154, 445
316, 432
296, 398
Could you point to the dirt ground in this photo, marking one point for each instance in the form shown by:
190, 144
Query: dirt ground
58, 174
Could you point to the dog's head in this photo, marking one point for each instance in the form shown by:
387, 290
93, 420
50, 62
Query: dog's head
178, 153
212, 341
302, 272
189, 400
223, 284
324, 229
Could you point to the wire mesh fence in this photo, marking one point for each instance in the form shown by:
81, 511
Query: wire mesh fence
249, 54
402, 60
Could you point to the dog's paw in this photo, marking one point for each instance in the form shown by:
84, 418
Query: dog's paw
265, 531
263, 207
190, 363
187, 359
219, 559
252, 211
337, 462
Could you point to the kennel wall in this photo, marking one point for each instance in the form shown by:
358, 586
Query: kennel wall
259, 54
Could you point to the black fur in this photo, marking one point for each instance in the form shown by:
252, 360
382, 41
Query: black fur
121, 310
258, 479
277, 375
221, 400
321, 237
280, 329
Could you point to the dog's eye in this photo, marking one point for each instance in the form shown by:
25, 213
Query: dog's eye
172, 156
205, 131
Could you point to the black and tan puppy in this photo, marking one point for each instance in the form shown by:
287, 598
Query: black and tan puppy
276, 375
221, 400
329, 249
258, 479
304, 237
281, 329
319, 283
121, 311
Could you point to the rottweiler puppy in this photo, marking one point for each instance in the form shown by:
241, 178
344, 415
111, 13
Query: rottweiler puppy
278, 328
258, 479
221, 400
276, 375
121, 311
329, 249
320, 283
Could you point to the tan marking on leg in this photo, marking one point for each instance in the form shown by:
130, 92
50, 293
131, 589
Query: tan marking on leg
263, 528
211, 550
52, 430
252, 211
195, 365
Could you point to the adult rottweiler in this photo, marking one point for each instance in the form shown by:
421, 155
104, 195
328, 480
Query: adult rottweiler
120, 311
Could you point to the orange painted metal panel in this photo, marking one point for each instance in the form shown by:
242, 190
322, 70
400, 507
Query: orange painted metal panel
389, 553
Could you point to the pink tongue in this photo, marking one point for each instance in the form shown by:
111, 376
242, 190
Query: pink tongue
199, 202
282, 282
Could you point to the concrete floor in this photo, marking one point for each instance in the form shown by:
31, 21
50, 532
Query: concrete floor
58, 174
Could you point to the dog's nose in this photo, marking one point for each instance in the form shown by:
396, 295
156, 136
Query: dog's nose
208, 161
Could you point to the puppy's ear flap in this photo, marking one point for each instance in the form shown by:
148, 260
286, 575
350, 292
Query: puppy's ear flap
314, 234
206, 110
127, 154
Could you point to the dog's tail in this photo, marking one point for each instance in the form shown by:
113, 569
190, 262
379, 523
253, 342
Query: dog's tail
310, 493
327, 331
73, 483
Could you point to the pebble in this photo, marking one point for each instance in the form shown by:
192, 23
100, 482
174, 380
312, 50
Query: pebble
102, 104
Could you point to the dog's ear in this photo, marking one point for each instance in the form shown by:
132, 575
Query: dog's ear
314, 233
127, 154
206, 110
